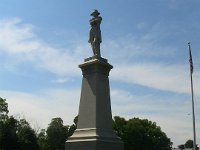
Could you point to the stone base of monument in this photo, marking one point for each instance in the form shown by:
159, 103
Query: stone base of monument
94, 139
94, 129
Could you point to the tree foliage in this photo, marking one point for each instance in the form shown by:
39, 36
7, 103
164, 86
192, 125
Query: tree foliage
26, 136
140, 134
3, 109
188, 144
8, 128
73, 127
181, 147
14, 134
8, 136
42, 140
57, 134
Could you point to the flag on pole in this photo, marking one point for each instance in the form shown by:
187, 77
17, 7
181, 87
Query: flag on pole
193, 111
190, 59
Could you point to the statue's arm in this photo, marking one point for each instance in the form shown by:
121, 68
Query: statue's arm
92, 20
95, 20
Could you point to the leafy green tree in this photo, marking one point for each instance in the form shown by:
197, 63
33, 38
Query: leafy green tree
3, 109
56, 128
26, 136
14, 134
140, 134
181, 147
8, 128
41, 140
8, 136
73, 127
189, 144
119, 125
57, 134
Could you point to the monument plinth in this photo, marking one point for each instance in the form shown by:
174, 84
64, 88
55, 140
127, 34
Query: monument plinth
94, 129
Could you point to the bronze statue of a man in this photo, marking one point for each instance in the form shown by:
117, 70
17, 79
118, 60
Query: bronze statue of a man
95, 32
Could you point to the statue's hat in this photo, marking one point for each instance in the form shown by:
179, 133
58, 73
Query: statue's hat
95, 12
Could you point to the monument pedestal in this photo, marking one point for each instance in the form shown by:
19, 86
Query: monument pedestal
94, 129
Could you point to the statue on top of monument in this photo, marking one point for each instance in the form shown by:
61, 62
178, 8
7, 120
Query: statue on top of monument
95, 32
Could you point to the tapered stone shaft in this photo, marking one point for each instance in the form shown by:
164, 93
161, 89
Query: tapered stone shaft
94, 130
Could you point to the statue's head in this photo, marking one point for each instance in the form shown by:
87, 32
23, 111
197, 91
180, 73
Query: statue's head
95, 13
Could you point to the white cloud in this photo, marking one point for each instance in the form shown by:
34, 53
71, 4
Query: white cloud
171, 114
145, 61
128, 48
16, 37
40, 108
163, 77
19, 41
60, 80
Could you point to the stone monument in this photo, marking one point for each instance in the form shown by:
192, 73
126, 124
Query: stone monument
94, 129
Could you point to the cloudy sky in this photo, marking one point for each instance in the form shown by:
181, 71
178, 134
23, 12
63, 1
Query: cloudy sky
43, 42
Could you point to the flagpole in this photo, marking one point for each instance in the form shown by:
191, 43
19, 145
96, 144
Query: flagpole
193, 111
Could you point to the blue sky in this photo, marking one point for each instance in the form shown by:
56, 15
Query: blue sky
43, 42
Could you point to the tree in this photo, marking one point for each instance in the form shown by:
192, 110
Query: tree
41, 140
119, 125
26, 136
182, 146
3, 109
140, 134
53, 135
8, 136
73, 127
14, 134
189, 144
8, 128
57, 134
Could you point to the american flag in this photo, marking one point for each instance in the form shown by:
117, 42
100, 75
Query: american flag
190, 59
